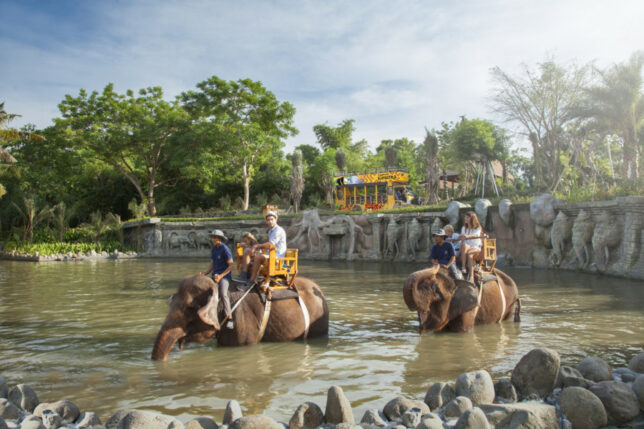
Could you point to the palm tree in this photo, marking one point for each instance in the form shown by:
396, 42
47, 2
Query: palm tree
61, 216
31, 217
617, 106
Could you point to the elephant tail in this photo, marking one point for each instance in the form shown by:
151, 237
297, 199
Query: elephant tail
517, 311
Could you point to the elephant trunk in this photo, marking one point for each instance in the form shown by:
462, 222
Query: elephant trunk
164, 342
418, 300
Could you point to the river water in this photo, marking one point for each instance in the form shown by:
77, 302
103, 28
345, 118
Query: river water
84, 331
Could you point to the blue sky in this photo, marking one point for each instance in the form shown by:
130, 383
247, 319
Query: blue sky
395, 67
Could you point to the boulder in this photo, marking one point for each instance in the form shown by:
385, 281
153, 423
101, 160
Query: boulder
51, 419
347, 425
619, 400
568, 376
3, 425
64, 408
452, 212
474, 418
476, 385
536, 372
4, 388
457, 406
481, 208
505, 211
411, 418
374, 417
338, 408
24, 397
395, 408
202, 423
32, 422
638, 388
438, 395
308, 415
504, 391
87, 419
533, 415
257, 421
137, 419
624, 375
637, 363
582, 408
542, 210
232, 412
8, 410
595, 369
430, 421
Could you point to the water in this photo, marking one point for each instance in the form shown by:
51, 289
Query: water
84, 332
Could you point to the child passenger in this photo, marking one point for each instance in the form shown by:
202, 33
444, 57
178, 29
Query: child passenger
246, 262
452, 237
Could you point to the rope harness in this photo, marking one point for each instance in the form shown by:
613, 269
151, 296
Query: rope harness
503, 301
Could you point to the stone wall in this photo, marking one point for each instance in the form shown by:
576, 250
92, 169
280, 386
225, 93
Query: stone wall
604, 236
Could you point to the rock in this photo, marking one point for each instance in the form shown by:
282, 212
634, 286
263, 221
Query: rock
438, 395
87, 419
542, 210
4, 388
505, 211
481, 208
533, 415
476, 385
374, 417
32, 422
308, 415
3, 425
595, 369
347, 425
624, 375
504, 391
474, 418
137, 419
638, 388
233, 412
257, 421
568, 376
582, 408
8, 410
536, 372
411, 417
395, 408
338, 408
637, 363
202, 423
430, 421
619, 400
24, 397
452, 212
64, 408
457, 406
51, 419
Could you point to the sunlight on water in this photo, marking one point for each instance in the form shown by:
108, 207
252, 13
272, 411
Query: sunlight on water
84, 332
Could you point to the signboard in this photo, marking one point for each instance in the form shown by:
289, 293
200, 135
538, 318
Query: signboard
385, 176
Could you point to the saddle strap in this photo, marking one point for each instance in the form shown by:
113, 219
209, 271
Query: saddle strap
307, 319
502, 301
267, 313
478, 302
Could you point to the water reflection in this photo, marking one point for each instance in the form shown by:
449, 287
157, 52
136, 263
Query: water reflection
84, 331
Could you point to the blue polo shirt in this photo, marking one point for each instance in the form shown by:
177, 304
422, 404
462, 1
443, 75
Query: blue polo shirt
442, 253
220, 257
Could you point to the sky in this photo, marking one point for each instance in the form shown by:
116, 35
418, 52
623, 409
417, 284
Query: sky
395, 67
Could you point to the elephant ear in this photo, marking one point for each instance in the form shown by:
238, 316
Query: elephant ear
208, 313
465, 299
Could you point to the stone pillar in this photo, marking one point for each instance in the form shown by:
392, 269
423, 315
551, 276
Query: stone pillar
632, 239
376, 249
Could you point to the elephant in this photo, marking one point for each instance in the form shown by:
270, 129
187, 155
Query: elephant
195, 312
443, 303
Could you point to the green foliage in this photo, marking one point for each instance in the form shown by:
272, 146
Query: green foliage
59, 248
335, 137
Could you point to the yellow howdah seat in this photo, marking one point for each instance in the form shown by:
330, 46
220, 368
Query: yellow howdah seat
487, 256
276, 267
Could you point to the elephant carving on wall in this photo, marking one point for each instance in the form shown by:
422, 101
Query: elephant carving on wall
178, 241
582, 232
414, 235
393, 238
607, 235
200, 240
560, 234
443, 303
195, 312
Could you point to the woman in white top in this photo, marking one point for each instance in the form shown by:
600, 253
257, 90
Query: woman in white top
471, 243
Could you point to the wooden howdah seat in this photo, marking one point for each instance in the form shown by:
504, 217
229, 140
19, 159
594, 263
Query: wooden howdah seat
278, 271
487, 256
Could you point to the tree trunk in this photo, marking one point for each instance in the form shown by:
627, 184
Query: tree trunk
246, 182
152, 209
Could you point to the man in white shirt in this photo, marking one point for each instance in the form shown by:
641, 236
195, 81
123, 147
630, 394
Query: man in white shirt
276, 237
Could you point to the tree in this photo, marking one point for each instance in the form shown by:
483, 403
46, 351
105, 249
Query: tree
341, 160
31, 216
335, 137
247, 121
543, 102
432, 168
61, 215
297, 179
617, 106
131, 133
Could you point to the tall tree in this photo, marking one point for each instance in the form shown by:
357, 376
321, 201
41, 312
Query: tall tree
247, 119
335, 137
432, 168
132, 133
297, 179
617, 105
543, 101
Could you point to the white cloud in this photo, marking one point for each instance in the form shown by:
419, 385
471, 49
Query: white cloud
394, 66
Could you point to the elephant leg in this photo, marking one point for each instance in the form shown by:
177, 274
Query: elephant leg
463, 323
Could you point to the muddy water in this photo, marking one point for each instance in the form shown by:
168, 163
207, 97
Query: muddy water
84, 332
